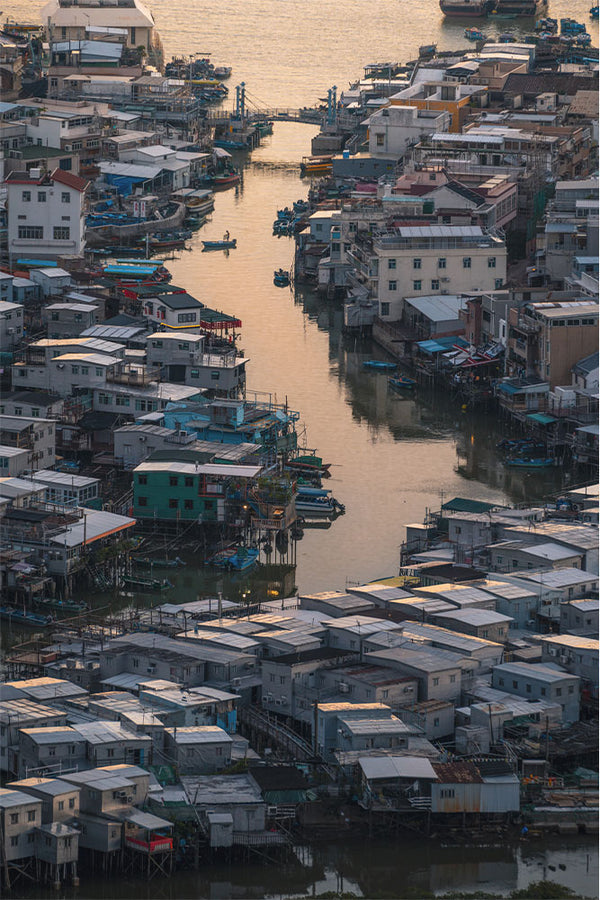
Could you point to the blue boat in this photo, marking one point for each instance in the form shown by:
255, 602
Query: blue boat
219, 245
239, 558
378, 364
306, 491
595, 12
402, 383
24, 617
524, 463
281, 278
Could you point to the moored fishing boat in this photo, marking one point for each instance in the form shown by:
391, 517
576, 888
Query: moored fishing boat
402, 383
316, 165
378, 364
477, 8
148, 562
281, 278
474, 34
64, 606
526, 463
225, 180
308, 463
25, 617
238, 558
146, 585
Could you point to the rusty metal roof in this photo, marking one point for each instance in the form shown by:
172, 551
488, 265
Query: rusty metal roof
457, 773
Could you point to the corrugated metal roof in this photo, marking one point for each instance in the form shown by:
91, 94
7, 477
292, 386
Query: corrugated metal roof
437, 308
443, 231
224, 470
93, 525
389, 767
16, 798
199, 734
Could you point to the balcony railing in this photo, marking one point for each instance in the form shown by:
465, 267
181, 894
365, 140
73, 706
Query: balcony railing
155, 845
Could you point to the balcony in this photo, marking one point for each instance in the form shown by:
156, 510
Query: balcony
140, 376
156, 844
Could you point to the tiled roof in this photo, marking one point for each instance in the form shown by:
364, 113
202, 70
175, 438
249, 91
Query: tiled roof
70, 180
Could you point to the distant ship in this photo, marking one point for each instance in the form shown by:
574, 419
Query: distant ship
519, 7
471, 8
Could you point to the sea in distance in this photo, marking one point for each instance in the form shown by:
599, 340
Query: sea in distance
392, 459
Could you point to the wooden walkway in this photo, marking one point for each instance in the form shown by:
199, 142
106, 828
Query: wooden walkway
311, 116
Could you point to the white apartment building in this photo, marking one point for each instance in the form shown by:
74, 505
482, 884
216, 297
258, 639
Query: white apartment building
11, 324
427, 260
46, 214
395, 128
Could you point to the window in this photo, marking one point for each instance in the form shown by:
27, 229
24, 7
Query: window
186, 317
491, 262
26, 196
30, 838
559, 692
71, 802
54, 316
416, 263
436, 722
528, 688
436, 681
501, 681
188, 504
110, 751
142, 479
14, 841
515, 684
173, 503
452, 679
380, 139
142, 501
75, 370
385, 309
215, 376
466, 262
417, 285
173, 480
392, 285
442, 262
435, 284
195, 373
65, 197
31, 233
498, 282
14, 818
61, 233
188, 481
41, 196
61, 806
571, 689
391, 263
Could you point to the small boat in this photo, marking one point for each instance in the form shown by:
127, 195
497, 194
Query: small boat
402, 383
281, 278
219, 245
238, 558
316, 165
147, 562
264, 127
307, 491
308, 463
572, 27
474, 34
507, 37
427, 50
25, 617
595, 12
146, 585
230, 145
65, 606
525, 463
378, 364
222, 71
315, 506
226, 180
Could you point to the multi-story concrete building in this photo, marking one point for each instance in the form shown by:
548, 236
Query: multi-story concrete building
46, 217
546, 339
11, 321
20, 816
426, 260
394, 128
36, 436
198, 750
540, 682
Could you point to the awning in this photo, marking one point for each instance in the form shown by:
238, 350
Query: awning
541, 418
220, 153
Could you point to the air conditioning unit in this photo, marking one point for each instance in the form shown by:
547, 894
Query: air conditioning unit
235, 682
344, 688
444, 279
284, 700
151, 670
130, 798
143, 438
277, 702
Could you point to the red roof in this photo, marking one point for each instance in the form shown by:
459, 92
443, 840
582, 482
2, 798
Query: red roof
70, 180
